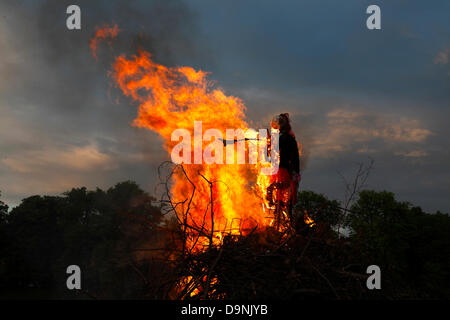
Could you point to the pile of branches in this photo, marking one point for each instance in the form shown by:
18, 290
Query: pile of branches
303, 261
304, 264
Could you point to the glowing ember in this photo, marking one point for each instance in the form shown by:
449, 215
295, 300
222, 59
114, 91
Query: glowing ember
310, 222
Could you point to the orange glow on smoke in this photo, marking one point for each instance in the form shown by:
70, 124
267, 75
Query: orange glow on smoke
105, 33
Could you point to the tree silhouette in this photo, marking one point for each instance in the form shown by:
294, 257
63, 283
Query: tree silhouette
44, 235
411, 246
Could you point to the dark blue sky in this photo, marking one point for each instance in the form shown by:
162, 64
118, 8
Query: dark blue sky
352, 92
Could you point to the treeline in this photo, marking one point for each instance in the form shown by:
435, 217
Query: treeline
99, 231
411, 247
114, 236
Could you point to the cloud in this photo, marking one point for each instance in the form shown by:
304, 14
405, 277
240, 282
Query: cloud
349, 130
86, 158
442, 57
413, 154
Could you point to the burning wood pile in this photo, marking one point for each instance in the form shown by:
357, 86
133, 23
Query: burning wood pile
237, 235
300, 259
268, 265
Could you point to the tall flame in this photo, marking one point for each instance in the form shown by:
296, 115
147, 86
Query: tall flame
173, 98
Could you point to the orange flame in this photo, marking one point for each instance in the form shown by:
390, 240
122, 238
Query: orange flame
103, 33
173, 98
308, 221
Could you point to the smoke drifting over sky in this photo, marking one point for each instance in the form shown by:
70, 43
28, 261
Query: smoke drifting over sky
351, 92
